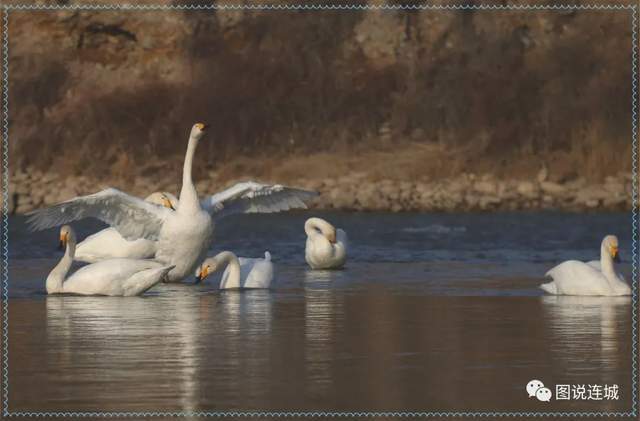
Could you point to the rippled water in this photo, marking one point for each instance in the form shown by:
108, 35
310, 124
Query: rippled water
433, 312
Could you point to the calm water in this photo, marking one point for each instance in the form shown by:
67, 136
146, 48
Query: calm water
432, 313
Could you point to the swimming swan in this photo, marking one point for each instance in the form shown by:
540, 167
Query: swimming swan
115, 277
239, 273
109, 244
184, 235
326, 246
594, 278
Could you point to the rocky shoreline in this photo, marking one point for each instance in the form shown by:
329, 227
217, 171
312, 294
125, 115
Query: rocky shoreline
29, 190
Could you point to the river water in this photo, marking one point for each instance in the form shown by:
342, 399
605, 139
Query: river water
433, 312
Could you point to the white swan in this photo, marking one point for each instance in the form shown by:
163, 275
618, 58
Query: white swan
115, 277
109, 244
326, 246
594, 278
183, 235
239, 273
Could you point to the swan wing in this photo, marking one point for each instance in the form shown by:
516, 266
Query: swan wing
578, 278
106, 277
260, 274
142, 281
132, 217
596, 265
252, 197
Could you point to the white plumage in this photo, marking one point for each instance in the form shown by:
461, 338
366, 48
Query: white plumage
115, 277
184, 235
252, 197
109, 244
593, 278
245, 273
326, 246
132, 217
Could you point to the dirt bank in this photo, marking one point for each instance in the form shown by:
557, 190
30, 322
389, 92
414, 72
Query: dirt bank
416, 178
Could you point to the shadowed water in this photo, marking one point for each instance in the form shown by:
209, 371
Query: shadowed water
432, 313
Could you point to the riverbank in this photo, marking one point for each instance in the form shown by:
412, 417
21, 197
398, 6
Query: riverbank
32, 189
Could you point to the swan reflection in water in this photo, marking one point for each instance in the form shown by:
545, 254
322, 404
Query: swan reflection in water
589, 327
117, 347
322, 309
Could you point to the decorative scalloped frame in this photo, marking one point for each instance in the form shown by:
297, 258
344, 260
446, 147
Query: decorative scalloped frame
4, 238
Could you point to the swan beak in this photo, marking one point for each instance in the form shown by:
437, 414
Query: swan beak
167, 204
332, 238
615, 254
201, 275
205, 126
63, 242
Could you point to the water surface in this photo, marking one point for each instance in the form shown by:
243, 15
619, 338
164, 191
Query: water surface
432, 313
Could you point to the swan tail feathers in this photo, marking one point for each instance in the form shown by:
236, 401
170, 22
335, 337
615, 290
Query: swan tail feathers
550, 287
143, 281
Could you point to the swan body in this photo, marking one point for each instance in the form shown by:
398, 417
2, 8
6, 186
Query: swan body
184, 239
245, 197
109, 244
245, 273
184, 235
114, 277
326, 246
593, 278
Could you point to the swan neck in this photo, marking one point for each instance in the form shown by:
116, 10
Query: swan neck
314, 224
59, 273
231, 260
607, 265
188, 194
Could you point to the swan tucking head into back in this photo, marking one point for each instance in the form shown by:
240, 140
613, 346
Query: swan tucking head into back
165, 199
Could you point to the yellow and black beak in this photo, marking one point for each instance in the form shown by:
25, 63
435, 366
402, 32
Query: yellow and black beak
167, 204
332, 237
615, 253
63, 241
201, 275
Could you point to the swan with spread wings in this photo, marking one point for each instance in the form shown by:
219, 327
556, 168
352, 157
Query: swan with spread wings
183, 235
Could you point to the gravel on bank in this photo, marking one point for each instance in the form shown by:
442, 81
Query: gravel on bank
29, 190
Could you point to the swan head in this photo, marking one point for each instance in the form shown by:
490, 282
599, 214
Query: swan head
610, 245
66, 235
198, 130
207, 267
318, 225
163, 199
